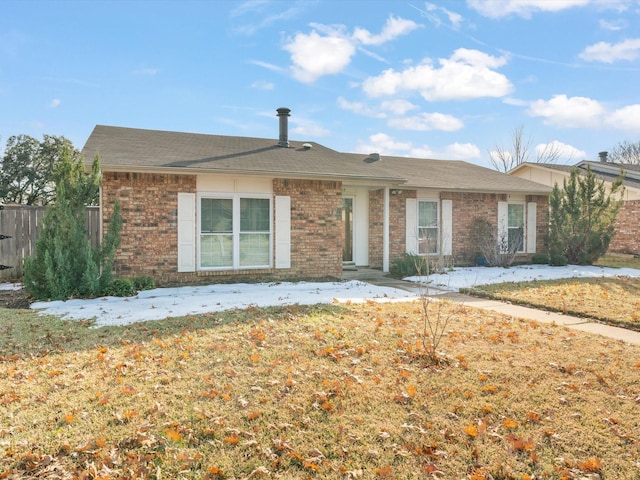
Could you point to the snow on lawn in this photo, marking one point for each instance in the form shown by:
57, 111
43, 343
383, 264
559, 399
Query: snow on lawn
161, 303
474, 276
174, 302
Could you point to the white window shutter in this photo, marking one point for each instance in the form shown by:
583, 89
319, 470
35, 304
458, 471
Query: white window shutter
447, 227
503, 226
186, 232
531, 227
411, 234
283, 232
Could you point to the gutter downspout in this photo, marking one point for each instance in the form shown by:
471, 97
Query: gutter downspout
385, 232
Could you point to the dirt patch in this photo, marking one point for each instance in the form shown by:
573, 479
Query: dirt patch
14, 299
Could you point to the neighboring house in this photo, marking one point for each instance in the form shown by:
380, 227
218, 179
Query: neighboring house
627, 238
199, 206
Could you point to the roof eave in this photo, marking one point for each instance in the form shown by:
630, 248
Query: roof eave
361, 179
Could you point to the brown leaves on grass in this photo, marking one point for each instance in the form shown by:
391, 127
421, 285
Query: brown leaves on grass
324, 395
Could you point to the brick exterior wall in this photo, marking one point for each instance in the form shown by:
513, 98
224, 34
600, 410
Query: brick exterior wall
376, 227
542, 220
149, 246
469, 206
149, 207
149, 234
627, 238
466, 208
397, 225
316, 226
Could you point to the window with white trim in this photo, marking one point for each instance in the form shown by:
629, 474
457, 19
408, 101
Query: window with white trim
515, 227
428, 227
235, 232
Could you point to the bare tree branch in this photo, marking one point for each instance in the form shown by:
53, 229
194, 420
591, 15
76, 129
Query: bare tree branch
518, 152
626, 152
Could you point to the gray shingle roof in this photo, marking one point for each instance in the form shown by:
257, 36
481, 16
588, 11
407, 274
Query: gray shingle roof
131, 149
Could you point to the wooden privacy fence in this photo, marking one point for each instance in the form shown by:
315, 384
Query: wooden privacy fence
22, 224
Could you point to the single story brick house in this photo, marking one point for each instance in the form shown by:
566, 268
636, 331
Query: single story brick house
627, 238
220, 208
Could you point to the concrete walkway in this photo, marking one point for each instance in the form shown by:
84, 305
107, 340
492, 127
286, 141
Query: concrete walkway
377, 277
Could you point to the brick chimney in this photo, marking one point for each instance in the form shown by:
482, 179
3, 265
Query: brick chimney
284, 113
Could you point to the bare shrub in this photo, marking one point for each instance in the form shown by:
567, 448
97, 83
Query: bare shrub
499, 250
435, 314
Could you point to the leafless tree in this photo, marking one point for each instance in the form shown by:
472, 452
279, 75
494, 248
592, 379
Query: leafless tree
626, 152
506, 158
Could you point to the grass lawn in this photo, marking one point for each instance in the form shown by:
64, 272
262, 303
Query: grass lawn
610, 300
619, 261
332, 392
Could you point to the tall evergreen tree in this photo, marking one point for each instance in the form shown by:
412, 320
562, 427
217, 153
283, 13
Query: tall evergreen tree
65, 263
582, 218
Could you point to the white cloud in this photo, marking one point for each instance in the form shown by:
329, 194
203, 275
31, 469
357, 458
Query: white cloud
522, 8
307, 128
582, 112
431, 12
262, 85
387, 145
314, 55
427, 121
384, 145
477, 58
360, 108
146, 71
268, 66
566, 111
467, 74
627, 118
328, 49
612, 26
515, 102
608, 53
398, 107
454, 151
55, 103
392, 29
263, 14
563, 150
462, 151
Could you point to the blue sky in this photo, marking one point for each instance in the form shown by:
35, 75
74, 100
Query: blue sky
440, 79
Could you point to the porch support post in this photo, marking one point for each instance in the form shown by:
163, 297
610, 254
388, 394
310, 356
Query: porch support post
385, 232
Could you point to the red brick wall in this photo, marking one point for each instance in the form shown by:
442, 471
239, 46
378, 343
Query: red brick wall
149, 246
376, 227
397, 225
469, 206
149, 207
316, 226
466, 208
627, 238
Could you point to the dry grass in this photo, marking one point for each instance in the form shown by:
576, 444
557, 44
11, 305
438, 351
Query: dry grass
325, 392
619, 261
610, 300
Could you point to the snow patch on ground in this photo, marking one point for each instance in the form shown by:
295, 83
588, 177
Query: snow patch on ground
162, 303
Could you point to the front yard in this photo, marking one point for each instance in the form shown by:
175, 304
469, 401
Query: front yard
337, 392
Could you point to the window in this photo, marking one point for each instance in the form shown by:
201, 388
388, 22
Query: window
428, 227
235, 232
515, 227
